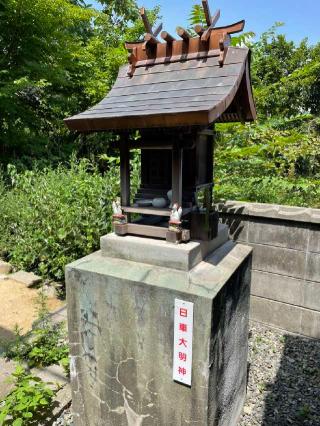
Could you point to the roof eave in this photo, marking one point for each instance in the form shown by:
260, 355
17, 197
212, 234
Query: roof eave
184, 119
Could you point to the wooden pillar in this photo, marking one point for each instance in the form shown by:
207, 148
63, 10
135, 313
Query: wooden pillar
201, 159
204, 157
125, 173
177, 156
211, 143
211, 153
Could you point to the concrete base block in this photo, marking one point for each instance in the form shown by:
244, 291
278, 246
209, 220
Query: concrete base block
161, 253
121, 324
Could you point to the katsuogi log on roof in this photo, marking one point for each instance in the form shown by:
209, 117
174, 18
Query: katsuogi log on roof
187, 81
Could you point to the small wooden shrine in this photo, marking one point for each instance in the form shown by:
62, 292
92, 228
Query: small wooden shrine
173, 92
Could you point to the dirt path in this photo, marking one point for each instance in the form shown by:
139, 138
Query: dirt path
17, 306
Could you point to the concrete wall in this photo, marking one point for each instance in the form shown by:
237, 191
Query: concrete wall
285, 288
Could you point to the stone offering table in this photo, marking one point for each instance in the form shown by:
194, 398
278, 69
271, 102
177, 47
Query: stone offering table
121, 326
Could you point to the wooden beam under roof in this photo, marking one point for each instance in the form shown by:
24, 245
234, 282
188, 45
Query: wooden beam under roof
167, 37
183, 33
199, 29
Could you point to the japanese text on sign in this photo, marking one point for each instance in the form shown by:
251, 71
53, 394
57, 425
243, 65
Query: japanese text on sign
182, 346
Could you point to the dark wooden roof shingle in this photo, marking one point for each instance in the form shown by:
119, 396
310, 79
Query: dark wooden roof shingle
185, 93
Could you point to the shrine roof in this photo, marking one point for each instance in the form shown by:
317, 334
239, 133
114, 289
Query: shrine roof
177, 83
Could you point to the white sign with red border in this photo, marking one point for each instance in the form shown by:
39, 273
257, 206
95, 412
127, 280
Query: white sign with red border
182, 346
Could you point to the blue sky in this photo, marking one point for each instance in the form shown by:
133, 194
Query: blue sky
301, 17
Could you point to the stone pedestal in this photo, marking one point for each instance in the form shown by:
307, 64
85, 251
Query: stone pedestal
121, 323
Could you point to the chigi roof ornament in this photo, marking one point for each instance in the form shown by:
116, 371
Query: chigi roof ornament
210, 41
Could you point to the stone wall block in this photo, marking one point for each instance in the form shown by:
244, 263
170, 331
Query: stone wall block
238, 227
313, 267
315, 216
278, 260
314, 239
311, 295
278, 287
310, 323
277, 314
286, 262
272, 211
278, 234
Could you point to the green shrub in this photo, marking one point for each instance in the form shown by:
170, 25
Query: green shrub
276, 161
49, 346
273, 190
51, 217
29, 401
45, 345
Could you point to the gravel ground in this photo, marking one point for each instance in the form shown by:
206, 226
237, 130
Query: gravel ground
65, 419
284, 380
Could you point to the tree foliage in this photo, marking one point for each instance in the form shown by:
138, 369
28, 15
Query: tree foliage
57, 58
286, 76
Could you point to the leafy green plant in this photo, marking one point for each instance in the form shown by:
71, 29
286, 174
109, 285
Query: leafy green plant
51, 217
46, 345
261, 387
304, 412
276, 161
18, 348
197, 15
65, 364
29, 401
